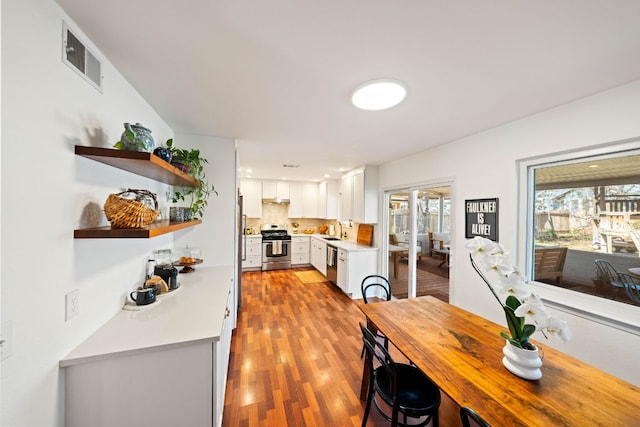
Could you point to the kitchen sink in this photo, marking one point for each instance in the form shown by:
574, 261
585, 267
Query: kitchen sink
330, 238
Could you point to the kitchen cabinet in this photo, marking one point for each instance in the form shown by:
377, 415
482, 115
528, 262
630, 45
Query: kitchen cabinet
360, 196
300, 250
164, 366
252, 251
143, 164
346, 198
353, 266
303, 199
222, 359
251, 198
318, 255
343, 265
328, 199
275, 190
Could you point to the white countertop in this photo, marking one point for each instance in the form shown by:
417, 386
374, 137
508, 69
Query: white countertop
347, 245
194, 313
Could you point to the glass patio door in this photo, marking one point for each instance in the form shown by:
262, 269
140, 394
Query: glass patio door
412, 214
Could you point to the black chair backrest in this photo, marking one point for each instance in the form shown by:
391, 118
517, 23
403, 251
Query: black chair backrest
377, 283
375, 350
471, 419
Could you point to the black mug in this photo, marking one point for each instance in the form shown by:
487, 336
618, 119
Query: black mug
144, 296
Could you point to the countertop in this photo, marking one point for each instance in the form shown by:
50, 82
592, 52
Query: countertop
347, 245
194, 313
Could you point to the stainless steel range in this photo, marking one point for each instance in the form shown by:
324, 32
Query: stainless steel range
276, 247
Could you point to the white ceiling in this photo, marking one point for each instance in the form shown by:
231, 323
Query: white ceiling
278, 75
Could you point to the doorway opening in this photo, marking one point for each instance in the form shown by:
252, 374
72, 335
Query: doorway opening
418, 222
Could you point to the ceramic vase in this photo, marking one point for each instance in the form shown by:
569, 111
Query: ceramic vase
142, 140
521, 362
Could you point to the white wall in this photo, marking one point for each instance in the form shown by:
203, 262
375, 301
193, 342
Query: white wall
216, 235
484, 166
46, 110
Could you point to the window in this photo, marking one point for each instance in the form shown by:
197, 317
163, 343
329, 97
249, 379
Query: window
583, 207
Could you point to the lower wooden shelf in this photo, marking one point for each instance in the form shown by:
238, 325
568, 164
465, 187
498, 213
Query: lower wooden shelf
156, 229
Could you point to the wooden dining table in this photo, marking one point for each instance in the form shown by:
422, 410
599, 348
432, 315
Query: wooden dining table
462, 354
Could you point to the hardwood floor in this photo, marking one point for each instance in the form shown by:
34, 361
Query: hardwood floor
431, 279
295, 356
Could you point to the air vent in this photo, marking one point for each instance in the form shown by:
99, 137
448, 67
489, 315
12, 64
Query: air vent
80, 59
291, 166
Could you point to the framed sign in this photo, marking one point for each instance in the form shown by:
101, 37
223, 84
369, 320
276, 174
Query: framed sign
481, 218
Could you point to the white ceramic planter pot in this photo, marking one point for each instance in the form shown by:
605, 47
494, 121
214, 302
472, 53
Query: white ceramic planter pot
523, 363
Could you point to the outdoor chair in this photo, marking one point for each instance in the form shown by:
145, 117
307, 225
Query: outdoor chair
608, 273
631, 287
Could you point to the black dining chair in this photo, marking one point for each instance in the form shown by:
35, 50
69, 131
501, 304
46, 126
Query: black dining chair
399, 387
470, 418
378, 287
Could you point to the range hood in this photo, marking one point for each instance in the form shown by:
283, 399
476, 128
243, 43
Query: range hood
276, 201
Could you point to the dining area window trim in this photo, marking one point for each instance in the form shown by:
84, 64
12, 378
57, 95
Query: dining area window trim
601, 310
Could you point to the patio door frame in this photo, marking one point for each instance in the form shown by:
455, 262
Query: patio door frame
412, 190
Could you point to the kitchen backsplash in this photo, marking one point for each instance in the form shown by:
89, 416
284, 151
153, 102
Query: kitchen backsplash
278, 213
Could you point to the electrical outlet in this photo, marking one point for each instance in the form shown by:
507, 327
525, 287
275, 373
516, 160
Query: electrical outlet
72, 304
6, 340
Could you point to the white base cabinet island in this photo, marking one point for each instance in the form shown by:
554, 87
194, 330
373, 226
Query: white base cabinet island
163, 366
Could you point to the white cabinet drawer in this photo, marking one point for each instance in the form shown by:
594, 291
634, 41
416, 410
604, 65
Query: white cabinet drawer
300, 259
252, 262
253, 250
300, 248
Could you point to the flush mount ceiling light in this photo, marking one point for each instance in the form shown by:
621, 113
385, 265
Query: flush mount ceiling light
379, 94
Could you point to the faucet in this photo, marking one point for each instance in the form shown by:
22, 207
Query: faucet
338, 223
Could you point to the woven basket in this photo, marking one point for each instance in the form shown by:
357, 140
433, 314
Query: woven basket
127, 212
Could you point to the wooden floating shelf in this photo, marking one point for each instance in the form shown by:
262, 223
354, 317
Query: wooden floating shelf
156, 229
141, 163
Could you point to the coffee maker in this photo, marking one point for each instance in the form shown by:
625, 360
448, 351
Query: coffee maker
165, 269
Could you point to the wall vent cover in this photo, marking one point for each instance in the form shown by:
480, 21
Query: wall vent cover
80, 59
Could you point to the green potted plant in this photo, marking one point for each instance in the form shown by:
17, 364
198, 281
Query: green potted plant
193, 164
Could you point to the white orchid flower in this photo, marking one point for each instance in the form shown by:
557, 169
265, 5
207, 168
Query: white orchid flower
558, 327
533, 309
480, 246
498, 266
513, 285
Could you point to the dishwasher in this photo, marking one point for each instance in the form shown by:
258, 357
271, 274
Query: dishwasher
332, 264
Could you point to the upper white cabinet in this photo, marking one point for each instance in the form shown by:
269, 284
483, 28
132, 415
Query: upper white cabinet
252, 198
346, 198
328, 199
360, 195
304, 200
275, 190
296, 208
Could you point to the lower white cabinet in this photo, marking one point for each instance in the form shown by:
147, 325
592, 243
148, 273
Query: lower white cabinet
319, 255
353, 266
343, 265
300, 250
165, 388
164, 366
252, 251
